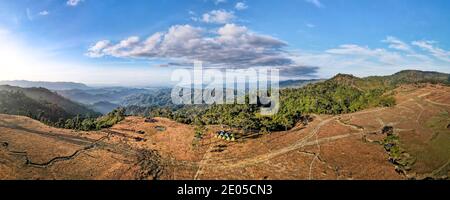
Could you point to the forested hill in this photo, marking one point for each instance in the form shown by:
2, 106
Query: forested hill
298, 83
44, 98
392, 81
17, 103
341, 94
414, 76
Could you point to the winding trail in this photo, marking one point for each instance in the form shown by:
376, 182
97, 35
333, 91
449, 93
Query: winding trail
305, 141
30, 163
437, 103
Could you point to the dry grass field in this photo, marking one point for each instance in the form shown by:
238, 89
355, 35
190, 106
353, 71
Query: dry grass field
349, 147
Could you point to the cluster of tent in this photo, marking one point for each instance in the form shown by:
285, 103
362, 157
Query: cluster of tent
225, 135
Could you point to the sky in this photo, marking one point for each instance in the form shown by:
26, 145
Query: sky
141, 42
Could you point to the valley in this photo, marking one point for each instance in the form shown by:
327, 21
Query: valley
410, 140
225, 90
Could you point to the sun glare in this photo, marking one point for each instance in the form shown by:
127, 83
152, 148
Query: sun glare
15, 62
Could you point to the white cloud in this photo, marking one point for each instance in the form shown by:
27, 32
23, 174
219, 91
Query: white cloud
365, 61
309, 25
364, 52
431, 48
44, 13
353, 49
316, 3
218, 17
219, 1
237, 47
397, 44
21, 61
231, 45
96, 50
240, 6
73, 2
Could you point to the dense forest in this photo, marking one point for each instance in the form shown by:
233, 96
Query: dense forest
329, 97
17, 103
341, 94
92, 123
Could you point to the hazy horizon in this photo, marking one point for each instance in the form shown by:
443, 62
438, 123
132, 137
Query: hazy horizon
171, 84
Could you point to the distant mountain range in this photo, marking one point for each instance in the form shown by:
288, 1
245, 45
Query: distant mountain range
101, 100
160, 97
93, 95
47, 85
103, 107
104, 100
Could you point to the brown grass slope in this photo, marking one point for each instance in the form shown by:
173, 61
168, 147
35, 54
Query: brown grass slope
348, 146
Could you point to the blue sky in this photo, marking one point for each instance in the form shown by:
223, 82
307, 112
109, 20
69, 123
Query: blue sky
140, 42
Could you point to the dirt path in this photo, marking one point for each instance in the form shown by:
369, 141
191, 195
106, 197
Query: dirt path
305, 141
203, 163
437, 103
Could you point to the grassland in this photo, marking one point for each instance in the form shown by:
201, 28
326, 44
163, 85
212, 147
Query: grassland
348, 146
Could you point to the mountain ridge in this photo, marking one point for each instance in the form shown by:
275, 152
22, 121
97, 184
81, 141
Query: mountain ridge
45, 84
45, 96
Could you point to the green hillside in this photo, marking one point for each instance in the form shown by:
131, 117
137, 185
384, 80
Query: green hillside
52, 109
17, 103
414, 76
341, 94
392, 81
45, 96
41, 104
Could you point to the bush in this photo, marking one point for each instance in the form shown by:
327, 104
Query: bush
110, 119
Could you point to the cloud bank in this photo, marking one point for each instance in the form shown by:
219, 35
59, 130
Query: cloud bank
364, 61
231, 45
218, 17
235, 46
